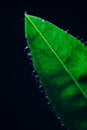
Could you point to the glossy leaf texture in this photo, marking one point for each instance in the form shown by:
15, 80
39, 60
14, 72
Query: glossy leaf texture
60, 60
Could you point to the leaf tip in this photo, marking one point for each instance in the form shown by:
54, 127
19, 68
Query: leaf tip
25, 13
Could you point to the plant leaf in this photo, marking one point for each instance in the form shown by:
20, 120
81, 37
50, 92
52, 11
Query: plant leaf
61, 63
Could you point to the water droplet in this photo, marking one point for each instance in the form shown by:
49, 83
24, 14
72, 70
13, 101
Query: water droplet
86, 43
29, 54
58, 118
81, 40
40, 86
43, 20
77, 37
41, 91
48, 103
47, 97
62, 124
36, 76
67, 31
34, 73
26, 49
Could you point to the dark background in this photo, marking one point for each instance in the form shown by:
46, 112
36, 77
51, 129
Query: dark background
21, 104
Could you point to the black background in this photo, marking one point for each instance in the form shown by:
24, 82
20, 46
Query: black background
21, 104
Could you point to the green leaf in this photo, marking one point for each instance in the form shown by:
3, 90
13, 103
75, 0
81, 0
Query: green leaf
61, 63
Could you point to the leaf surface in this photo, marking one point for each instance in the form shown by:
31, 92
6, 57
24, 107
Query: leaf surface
61, 63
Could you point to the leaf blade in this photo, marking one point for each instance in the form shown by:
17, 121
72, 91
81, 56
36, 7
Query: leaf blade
38, 64
57, 57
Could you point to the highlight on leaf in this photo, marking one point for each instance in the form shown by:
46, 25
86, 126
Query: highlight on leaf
60, 60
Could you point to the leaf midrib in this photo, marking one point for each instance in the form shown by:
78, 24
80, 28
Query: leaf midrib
58, 58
